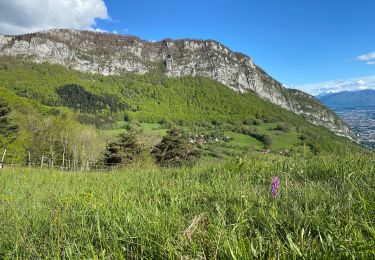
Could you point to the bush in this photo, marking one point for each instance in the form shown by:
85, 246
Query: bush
270, 119
206, 124
165, 123
257, 122
175, 149
134, 126
282, 127
267, 140
216, 122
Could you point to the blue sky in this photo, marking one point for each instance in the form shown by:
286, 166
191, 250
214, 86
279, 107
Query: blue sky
307, 44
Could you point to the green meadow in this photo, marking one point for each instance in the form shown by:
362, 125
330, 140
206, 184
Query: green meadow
325, 210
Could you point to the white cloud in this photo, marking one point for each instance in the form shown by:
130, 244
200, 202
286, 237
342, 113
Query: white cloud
369, 58
102, 30
24, 16
98, 30
361, 82
339, 85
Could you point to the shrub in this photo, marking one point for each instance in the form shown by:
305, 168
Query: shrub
165, 123
216, 122
257, 122
267, 140
248, 121
206, 124
270, 119
282, 127
133, 125
126, 117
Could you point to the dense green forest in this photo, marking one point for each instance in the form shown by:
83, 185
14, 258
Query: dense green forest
62, 113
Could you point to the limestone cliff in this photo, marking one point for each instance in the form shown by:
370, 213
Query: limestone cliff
110, 54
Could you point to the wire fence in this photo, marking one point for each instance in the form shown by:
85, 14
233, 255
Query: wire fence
69, 166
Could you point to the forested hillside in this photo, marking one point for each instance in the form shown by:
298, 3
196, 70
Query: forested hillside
46, 99
115, 54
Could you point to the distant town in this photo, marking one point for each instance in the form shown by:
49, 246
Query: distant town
362, 122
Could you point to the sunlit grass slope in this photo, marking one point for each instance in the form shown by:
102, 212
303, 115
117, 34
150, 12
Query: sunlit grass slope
325, 210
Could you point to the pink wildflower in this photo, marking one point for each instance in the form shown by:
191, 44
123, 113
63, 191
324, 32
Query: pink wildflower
275, 188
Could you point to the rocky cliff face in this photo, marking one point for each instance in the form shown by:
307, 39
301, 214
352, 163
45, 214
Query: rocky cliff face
110, 54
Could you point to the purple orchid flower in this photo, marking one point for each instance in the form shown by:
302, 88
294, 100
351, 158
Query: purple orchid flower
275, 187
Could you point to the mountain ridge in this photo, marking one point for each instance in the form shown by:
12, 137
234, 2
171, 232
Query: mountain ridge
358, 98
111, 54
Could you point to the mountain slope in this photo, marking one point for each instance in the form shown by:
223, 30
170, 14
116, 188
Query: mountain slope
197, 103
110, 54
349, 98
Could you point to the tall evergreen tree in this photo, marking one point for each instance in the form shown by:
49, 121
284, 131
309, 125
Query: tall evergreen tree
175, 149
125, 150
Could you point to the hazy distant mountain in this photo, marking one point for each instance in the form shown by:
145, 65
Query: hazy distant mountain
349, 98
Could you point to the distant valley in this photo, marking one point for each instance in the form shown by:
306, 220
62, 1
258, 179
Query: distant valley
362, 121
357, 108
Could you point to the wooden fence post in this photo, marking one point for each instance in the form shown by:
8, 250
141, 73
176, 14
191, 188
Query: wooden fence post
29, 162
41, 162
5, 151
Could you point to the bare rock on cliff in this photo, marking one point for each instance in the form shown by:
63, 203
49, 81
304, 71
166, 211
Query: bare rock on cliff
111, 54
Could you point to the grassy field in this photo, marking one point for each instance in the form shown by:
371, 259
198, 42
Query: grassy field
238, 145
325, 209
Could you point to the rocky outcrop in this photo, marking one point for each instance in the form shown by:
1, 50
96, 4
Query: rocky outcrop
111, 54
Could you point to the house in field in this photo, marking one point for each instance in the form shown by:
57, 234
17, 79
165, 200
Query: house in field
227, 139
1, 165
198, 139
265, 150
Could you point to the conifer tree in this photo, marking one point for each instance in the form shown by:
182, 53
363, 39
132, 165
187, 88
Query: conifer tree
175, 149
125, 150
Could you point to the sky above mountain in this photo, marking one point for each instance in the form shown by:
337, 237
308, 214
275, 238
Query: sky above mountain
317, 46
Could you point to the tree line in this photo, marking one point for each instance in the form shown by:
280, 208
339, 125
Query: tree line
173, 150
60, 141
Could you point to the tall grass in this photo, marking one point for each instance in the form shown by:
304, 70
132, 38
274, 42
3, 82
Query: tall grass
325, 210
